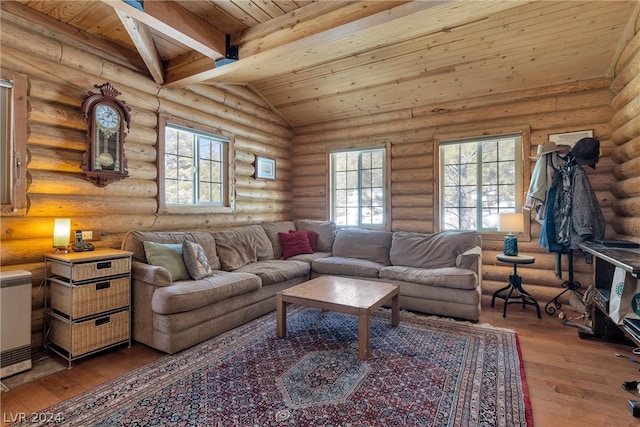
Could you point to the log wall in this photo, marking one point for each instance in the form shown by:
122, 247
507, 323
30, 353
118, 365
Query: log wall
610, 107
59, 75
626, 139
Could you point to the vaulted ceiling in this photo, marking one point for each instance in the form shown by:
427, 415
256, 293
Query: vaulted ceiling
317, 61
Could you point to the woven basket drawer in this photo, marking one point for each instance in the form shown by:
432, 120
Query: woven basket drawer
91, 298
78, 338
92, 270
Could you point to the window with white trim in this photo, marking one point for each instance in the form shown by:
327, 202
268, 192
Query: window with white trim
13, 142
196, 170
358, 187
479, 179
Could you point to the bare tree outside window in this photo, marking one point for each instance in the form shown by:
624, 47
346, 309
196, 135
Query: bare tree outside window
358, 187
480, 178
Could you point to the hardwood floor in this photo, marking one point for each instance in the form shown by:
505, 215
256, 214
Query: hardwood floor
572, 382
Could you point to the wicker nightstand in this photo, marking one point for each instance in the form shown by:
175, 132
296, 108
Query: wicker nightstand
87, 302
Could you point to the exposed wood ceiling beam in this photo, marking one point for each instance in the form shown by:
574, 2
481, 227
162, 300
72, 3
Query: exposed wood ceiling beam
142, 39
320, 46
177, 23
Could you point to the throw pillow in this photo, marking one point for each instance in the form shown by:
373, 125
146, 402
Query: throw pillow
195, 260
295, 243
169, 256
313, 238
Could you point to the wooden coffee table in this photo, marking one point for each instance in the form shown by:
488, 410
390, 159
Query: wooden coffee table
344, 295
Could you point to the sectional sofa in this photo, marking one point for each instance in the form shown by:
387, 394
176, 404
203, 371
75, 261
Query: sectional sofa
190, 286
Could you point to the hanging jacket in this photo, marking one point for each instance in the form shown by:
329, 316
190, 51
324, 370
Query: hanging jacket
577, 215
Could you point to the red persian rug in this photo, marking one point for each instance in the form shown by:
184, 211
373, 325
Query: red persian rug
426, 372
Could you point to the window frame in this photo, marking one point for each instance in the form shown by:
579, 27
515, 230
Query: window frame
16, 174
163, 207
385, 147
524, 176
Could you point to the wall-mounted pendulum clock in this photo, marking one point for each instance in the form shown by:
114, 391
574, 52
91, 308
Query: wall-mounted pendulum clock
108, 121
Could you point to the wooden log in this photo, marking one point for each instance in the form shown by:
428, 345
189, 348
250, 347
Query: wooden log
410, 175
626, 188
55, 160
627, 94
630, 49
258, 148
629, 207
257, 207
265, 184
412, 200
250, 103
413, 213
309, 191
422, 226
63, 205
308, 181
627, 226
627, 151
47, 182
55, 115
406, 188
628, 169
307, 170
262, 194
423, 148
244, 156
626, 113
226, 113
317, 213
140, 152
626, 132
415, 162
627, 73
310, 159
57, 137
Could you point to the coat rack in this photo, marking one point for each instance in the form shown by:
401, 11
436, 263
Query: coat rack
567, 285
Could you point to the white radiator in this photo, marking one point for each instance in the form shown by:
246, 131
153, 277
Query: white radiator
15, 321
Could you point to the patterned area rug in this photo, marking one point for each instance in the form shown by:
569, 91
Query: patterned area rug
425, 372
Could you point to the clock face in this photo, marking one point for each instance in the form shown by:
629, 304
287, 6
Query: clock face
107, 116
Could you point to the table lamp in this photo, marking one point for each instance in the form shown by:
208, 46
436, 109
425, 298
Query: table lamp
512, 223
61, 235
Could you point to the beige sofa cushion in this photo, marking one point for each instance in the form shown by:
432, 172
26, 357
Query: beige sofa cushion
326, 232
363, 244
430, 250
240, 246
272, 229
445, 277
187, 295
346, 266
134, 242
276, 271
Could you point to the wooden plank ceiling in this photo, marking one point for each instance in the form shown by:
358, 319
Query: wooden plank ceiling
317, 61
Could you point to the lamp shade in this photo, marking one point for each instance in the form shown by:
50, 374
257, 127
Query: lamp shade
511, 222
61, 232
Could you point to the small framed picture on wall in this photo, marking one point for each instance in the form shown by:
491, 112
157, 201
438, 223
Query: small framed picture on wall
265, 168
570, 138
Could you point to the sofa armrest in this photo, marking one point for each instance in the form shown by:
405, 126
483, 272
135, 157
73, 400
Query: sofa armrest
470, 259
152, 274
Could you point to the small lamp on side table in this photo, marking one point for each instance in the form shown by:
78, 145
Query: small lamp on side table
61, 235
512, 223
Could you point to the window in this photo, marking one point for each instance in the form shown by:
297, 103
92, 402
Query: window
358, 187
195, 170
480, 178
13, 142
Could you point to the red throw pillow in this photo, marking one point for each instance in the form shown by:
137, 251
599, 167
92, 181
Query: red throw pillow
313, 238
295, 243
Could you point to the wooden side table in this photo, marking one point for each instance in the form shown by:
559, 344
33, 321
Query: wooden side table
515, 284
